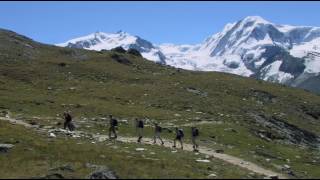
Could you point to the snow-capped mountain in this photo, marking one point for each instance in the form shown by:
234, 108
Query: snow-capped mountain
99, 41
251, 47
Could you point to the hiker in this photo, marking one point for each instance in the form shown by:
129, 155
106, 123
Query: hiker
158, 130
139, 126
179, 137
113, 126
195, 134
67, 121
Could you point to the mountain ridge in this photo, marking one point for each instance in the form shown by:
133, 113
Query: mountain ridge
251, 47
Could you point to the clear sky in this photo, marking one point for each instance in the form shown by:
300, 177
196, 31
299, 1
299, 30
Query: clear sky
158, 22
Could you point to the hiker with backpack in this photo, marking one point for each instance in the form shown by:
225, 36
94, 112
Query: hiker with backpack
68, 121
113, 126
158, 130
195, 134
139, 126
179, 137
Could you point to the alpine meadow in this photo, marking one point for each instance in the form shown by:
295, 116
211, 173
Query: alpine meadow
242, 104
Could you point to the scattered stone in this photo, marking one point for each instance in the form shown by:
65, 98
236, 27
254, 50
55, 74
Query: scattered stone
203, 160
177, 115
286, 167
268, 160
198, 92
63, 168
274, 177
219, 151
140, 149
231, 129
174, 151
212, 175
93, 166
52, 135
4, 148
103, 174
52, 176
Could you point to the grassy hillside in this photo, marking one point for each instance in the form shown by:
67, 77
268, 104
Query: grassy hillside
251, 119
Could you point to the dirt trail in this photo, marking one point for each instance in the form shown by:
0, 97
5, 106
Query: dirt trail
187, 147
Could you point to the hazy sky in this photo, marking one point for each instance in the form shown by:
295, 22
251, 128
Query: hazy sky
158, 22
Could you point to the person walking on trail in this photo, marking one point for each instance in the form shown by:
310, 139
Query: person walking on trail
179, 137
157, 133
139, 126
113, 126
68, 121
195, 135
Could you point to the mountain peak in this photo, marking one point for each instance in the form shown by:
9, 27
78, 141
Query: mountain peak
256, 19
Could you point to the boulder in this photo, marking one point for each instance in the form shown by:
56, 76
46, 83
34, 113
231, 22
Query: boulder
4, 148
103, 174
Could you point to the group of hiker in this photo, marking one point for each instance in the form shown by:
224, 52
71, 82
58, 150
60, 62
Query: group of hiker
139, 124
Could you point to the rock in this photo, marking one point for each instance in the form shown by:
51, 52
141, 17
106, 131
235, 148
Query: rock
103, 174
68, 168
52, 135
52, 176
4, 148
140, 149
219, 151
274, 177
93, 166
203, 160
231, 129
212, 175
177, 115
268, 160
286, 167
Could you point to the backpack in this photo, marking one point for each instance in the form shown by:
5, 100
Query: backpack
180, 133
159, 129
114, 122
195, 132
140, 124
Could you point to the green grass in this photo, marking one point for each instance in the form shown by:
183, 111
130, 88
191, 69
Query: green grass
34, 155
93, 85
